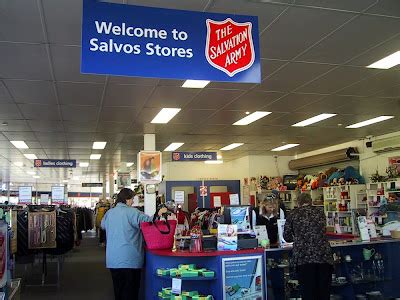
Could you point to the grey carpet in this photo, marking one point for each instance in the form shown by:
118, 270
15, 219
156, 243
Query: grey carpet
83, 276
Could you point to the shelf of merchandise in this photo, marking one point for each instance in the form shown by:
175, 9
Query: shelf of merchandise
335, 197
378, 192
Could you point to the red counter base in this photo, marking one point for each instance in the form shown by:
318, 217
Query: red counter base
205, 253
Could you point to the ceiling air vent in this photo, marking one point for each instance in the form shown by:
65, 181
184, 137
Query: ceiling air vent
324, 159
386, 145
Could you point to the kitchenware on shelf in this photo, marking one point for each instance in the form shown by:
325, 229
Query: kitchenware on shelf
341, 280
395, 234
368, 253
374, 295
394, 225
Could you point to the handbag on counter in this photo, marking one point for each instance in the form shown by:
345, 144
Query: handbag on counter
159, 234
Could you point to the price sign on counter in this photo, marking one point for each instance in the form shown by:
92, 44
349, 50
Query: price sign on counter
176, 286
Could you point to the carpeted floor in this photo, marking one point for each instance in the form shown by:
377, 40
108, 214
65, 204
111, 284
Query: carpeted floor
83, 276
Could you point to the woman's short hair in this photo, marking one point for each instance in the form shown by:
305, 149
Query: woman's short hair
304, 198
125, 194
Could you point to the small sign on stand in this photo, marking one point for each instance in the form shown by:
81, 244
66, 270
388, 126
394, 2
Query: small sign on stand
234, 199
179, 197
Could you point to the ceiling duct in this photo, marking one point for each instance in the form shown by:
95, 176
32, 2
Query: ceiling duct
386, 145
328, 158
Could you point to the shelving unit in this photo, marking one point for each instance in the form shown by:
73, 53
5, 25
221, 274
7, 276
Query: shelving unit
378, 193
339, 205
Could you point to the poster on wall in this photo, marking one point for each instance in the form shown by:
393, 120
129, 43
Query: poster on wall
123, 180
58, 194
243, 278
394, 163
149, 166
130, 40
25, 195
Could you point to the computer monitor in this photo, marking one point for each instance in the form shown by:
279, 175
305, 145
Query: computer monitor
240, 215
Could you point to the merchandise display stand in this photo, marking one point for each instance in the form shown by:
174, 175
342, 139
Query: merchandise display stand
214, 261
377, 273
42, 258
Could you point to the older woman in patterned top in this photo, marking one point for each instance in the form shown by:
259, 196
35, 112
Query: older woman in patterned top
305, 227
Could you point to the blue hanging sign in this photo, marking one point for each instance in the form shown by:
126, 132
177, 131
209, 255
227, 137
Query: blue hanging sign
194, 156
54, 163
129, 40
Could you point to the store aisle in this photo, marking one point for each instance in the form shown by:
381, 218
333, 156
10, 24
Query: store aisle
84, 276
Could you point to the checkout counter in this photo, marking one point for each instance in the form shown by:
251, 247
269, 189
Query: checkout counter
360, 269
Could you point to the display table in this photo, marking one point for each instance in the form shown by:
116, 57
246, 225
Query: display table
228, 266
376, 276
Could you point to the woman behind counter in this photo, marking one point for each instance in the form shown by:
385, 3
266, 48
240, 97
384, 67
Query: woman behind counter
125, 252
312, 257
268, 214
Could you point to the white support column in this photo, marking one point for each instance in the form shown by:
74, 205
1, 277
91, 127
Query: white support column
149, 199
104, 192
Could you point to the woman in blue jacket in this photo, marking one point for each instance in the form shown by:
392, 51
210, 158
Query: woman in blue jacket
125, 251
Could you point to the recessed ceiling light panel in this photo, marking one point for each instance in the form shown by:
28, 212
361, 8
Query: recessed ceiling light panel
313, 120
252, 118
84, 164
95, 156
195, 84
285, 147
370, 121
173, 146
99, 145
387, 62
30, 156
20, 144
231, 146
165, 115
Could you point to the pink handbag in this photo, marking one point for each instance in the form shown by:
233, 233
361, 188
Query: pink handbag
159, 234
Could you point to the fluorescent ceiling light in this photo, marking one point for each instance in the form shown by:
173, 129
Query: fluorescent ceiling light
36, 176
65, 180
95, 156
84, 164
30, 156
313, 120
129, 164
20, 144
214, 162
231, 146
99, 145
387, 62
75, 178
19, 163
370, 121
31, 173
195, 84
165, 115
173, 146
252, 118
284, 147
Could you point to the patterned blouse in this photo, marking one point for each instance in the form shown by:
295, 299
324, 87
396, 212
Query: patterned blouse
305, 226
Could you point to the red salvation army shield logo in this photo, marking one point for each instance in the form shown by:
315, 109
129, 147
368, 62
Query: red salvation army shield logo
229, 46
176, 155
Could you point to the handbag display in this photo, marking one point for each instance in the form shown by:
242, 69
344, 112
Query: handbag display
159, 234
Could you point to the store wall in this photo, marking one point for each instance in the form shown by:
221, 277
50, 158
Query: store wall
369, 161
247, 166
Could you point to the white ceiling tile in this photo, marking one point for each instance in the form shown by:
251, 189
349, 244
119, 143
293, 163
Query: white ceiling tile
24, 61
